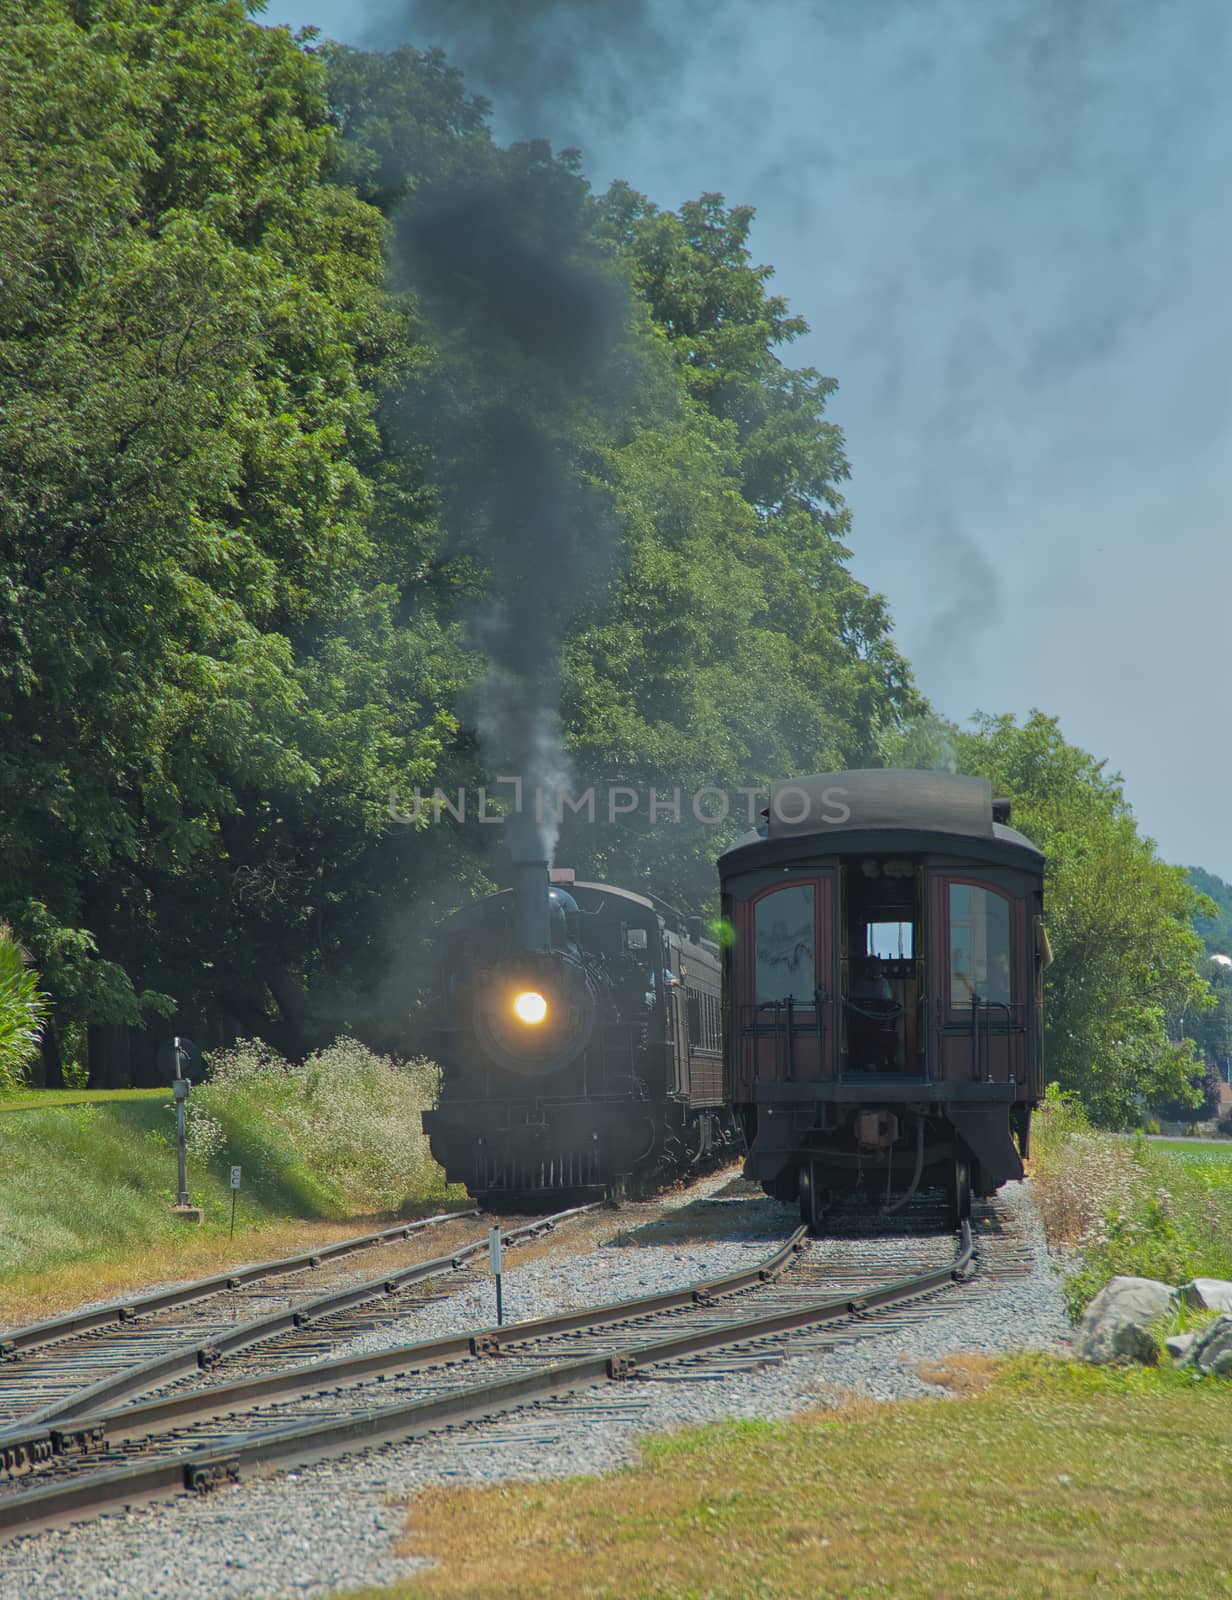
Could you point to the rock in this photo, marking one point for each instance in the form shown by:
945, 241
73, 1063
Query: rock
1180, 1344
1207, 1294
1116, 1326
1211, 1352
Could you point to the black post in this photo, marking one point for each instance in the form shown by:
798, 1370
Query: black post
183, 1055
180, 1088
494, 1258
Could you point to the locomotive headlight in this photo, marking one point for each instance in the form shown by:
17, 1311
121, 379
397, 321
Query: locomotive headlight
530, 1007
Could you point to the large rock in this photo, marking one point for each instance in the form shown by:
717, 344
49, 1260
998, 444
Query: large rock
1207, 1294
1116, 1326
1178, 1345
1211, 1351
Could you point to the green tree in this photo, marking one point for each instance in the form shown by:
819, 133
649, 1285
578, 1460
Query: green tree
1214, 928
725, 332
1211, 1031
738, 647
1124, 978
203, 688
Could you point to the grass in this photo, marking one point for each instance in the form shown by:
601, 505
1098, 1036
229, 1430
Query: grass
46, 1099
167, 1257
1209, 1153
1054, 1482
329, 1149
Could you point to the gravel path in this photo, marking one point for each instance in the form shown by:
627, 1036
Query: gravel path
333, 1526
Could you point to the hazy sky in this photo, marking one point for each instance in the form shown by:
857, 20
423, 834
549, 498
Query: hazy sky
1008, 224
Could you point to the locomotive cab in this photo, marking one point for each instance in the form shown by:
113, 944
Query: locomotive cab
884, 1032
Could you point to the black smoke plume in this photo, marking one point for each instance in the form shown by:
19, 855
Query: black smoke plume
554, 68
529, 321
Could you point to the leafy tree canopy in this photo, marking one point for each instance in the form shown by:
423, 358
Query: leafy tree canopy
1125, 975
1215, 927
201, 681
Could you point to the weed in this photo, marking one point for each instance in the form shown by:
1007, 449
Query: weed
348, 1117
1128, 1206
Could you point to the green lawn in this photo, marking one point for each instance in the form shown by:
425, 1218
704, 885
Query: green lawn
1208, 1166
87, 1181
1207, 1153
46, 1099
83, 1181
1057, 1482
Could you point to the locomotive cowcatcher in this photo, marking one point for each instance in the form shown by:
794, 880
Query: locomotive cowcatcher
884, 989
578, 1032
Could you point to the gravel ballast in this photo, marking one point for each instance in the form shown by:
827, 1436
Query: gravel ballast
334, 1526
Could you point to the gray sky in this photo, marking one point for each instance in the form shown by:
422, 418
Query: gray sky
1008, 224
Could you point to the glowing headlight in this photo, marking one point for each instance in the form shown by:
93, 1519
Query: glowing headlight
530, 1007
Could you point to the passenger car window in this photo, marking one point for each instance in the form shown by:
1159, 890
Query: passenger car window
979, 945
785, 946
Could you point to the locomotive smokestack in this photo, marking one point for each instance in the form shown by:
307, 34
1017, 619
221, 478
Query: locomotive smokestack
532, 927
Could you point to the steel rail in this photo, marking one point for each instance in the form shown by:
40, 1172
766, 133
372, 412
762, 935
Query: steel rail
137, 1422
302, 1442
188, 1358
35, 1335
19, 1449
627, 1362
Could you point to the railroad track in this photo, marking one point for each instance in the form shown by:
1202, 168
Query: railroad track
86, 1361
518, 1376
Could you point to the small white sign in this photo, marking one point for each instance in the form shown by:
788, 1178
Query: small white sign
494, 1249
236, 1174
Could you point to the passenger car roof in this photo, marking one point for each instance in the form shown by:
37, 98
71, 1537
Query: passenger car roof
874, 800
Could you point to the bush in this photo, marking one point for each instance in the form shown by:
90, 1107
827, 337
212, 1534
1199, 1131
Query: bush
1081, 1175
1126, 1207
23, 1008
346, 1119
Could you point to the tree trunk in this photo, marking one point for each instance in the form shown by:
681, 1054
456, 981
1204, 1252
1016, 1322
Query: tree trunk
53, 1063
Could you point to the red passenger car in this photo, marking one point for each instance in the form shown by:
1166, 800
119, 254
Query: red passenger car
883, 1023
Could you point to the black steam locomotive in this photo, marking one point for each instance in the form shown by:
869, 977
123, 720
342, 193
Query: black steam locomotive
578, 1029
885, 988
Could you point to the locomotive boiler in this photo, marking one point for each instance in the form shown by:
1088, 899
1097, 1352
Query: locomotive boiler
577, 1026
885, 986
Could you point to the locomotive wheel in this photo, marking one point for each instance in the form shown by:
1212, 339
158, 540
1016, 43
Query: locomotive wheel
812, 1200
960, 1193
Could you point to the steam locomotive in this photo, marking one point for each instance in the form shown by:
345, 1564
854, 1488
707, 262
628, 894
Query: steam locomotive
578, 1029
885, 989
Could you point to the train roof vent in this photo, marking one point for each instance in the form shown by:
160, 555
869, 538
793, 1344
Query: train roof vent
1001, 810
562, 877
